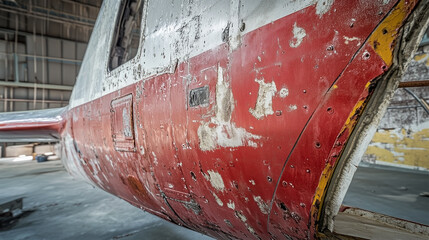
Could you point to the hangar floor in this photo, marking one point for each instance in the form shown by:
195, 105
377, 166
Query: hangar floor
65, 208
60, 207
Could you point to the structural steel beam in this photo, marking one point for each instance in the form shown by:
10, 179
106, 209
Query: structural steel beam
36, 85
423, 83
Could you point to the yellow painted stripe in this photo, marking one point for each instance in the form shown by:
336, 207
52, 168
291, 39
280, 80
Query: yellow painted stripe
382, 40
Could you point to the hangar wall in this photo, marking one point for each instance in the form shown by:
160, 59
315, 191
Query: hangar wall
402, 138
43, 42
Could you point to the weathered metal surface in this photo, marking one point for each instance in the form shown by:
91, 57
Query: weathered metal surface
232, 115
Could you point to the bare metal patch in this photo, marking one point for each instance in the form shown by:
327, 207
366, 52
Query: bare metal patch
224, 133
298, 36
264, 103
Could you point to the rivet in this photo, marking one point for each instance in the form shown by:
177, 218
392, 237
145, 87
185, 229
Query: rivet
317, 145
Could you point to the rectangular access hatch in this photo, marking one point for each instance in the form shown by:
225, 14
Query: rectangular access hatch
121, 113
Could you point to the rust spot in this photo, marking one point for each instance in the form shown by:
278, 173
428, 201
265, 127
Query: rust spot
136, 187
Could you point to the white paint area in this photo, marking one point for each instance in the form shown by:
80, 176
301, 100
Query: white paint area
216, 180
155, 159
224, 133
323, 6
170, 36
298, 36
264, 103
347, 40
252, 182
292, 108
231, 204
263, 206
284, 92
219, 202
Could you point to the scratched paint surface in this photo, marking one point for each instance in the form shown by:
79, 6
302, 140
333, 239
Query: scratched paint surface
250, 159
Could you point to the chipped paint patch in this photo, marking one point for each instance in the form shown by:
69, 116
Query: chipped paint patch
323, 6
224, 133
219, 202
263, 206
240, 216
231, 204
292, 108
284, 92
251, 230
252, 182
155, 159
298, 36
251, 143
264, 103
216, 180
347, 40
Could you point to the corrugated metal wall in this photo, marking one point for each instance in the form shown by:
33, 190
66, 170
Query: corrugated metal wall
42, 41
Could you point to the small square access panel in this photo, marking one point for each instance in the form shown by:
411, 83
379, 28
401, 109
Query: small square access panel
121, 113
199, 96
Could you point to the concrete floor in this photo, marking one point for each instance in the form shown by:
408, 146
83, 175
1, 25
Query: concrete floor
65, 208
390, 191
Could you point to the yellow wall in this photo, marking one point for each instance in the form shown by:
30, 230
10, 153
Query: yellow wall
399, 146
422, 57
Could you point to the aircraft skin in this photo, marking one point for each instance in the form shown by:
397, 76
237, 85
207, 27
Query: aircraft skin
232, 116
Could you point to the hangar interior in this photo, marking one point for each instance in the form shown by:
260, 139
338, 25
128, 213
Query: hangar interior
42, 44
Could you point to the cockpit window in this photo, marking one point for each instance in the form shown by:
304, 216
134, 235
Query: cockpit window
127, 35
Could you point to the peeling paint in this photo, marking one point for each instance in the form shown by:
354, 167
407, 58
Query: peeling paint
219, 202
263, 206
323, 6
224, 133
252, 182
155, 159
284, 92
216, 180
240, 216
264, 103
231, 204
407, 148
298, 36
292, 108
347, 40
